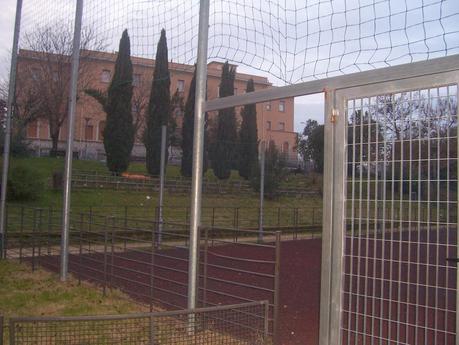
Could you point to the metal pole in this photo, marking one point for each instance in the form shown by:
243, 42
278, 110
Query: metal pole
262, 191
276, 287
161, 181
9, 114
69, 152
198, 148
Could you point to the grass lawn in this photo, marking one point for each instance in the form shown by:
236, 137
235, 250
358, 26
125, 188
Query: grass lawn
142, 204
45, 166
23, 293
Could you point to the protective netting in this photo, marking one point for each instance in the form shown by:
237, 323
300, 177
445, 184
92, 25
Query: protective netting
300, 40
289, 40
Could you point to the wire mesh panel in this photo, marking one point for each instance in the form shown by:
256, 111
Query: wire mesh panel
401, 225
132, 255
233, 324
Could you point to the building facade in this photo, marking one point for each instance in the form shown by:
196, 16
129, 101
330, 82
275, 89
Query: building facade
274, 119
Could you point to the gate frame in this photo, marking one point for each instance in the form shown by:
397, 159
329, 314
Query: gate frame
336, 168
334, 177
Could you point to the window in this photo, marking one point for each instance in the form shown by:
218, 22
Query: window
106, 76
178, 112
134, 108
136, 79
35, 72
32, 129
235, 91
55, 76
88, 132
282, 126
285, 147
101, 130
268, 106
282, 106
268, 125
181, 85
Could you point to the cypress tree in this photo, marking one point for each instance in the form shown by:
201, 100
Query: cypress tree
117, 103
224, 151
248, 137
188, 131
158, 107
176, 105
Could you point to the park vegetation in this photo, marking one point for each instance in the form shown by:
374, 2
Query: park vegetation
248, 138
223, 154
42, 91
117, 103
159, 107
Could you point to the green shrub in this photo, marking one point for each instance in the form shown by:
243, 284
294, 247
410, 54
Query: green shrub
24, 184
58, 180
275, 172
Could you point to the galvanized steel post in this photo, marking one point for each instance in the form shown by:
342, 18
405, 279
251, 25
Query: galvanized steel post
69, 151
262, 190
198, 148
9, 113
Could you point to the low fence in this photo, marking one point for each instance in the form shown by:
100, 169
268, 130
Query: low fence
285, 219
223, 325
88, 179
150, 262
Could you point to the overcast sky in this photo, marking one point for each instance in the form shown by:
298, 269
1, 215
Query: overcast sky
6, 33
287, 41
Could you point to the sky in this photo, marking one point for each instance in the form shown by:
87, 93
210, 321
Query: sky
288, 41
309, 107
6, 33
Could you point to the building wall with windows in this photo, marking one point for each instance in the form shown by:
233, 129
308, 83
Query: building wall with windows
97, 71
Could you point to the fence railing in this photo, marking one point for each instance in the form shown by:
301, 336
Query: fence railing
285, 219
149, 261
230, 324
85, 179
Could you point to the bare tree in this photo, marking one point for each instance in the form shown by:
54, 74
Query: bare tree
44, 72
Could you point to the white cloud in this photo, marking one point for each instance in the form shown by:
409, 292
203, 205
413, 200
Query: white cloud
7, 15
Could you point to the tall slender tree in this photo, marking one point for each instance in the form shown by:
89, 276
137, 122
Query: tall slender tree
248, 137
311, 145
188, 133
177, 107
187, 130
119, 130
159, 107
225, 148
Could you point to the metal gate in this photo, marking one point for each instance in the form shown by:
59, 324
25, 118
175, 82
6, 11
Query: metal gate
392, 214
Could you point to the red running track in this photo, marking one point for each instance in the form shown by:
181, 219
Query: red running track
299, 280
299, 300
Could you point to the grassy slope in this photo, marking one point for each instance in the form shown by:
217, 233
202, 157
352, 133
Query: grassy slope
23, 293
44, 167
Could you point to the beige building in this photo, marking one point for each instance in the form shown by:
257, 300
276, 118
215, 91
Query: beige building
274, 119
